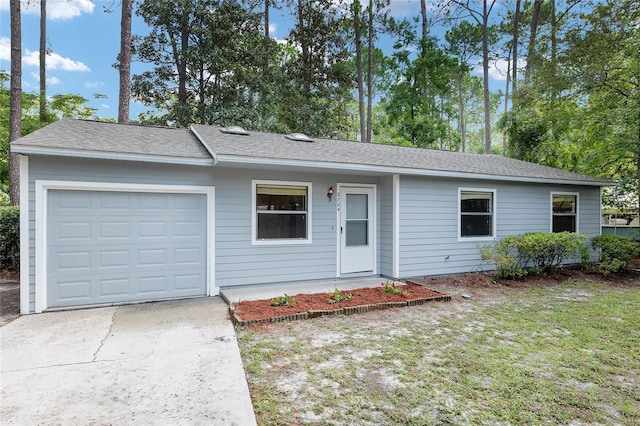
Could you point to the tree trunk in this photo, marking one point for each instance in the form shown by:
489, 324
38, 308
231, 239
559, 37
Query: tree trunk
554, 46
358, 39
124, 63
532, 38
462, 127
514, 60
43, 56
266, 23
425, 35
506, 104
370, 72
485, 75
15, 101
304, 47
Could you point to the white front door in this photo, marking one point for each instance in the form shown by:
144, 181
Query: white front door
357, 224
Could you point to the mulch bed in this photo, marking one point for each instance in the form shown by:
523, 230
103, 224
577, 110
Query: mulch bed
315, 305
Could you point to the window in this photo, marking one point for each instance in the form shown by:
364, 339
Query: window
281, 212
564, 212
477, 218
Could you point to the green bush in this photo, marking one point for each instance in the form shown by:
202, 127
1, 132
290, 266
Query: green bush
515, 256
616, 252
10, 238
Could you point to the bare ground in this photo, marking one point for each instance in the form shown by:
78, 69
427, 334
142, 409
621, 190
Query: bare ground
9, 297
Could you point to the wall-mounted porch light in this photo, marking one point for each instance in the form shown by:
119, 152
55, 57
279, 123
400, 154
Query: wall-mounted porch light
330, 193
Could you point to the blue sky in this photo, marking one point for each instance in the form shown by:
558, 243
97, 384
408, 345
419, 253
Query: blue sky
84, 41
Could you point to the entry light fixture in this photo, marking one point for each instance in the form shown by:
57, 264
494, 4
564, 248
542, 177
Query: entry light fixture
330, 193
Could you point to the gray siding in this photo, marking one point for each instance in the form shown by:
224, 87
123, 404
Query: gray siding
85, 170
428, 218
386, 220
238, 262
429, 221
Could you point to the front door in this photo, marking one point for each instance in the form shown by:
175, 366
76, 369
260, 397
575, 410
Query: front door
357, 229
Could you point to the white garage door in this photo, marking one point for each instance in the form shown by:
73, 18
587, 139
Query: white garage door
106, 247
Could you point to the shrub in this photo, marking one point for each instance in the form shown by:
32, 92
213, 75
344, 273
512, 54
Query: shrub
616, 252
534, 252
285, 300
10, 238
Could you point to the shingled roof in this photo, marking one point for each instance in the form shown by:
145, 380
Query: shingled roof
208, 145
327, 153
86, 138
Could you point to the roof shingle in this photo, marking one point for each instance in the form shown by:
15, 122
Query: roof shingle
278, 147
85, 137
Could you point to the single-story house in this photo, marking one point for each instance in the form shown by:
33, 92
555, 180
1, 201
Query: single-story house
116, 213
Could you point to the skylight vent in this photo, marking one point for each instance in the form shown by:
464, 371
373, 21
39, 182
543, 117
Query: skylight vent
299, 137
234, 130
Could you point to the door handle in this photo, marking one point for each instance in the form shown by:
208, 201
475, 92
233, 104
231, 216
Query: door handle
341, 230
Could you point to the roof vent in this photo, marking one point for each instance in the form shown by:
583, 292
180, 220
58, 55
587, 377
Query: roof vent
234, 130
300, 137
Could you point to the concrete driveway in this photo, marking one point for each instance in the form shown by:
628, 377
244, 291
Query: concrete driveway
172, 362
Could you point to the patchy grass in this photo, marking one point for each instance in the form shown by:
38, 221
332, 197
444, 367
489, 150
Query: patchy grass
545, 355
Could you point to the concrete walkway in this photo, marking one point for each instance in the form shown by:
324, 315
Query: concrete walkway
156, 363
268, 291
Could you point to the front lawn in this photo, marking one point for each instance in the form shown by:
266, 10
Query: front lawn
548, 354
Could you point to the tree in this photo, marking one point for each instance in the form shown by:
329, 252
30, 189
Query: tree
319, 90
207, 60
61, 105
582, 113
124, 62
481, 16
43, 56
532, 38
514, 47
15, 109
356, 8
464, 41
422, 121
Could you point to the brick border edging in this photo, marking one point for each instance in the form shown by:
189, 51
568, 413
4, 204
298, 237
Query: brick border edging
350, 310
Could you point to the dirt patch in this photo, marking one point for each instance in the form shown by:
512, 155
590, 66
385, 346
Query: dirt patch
9, 297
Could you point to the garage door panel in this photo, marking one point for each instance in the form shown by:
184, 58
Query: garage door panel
153, 230
115, 201
152, 257
71, 201
111, 230
187, 282
187, 256
150, 249
73, 261
114, 259
153, 284
75, 290
73, 230
113, 287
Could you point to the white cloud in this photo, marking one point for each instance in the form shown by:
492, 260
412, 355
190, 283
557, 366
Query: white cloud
61, 9
52, 81
273, 28
5, 49
93, 84
408, 8
498, 68
54, 62
105, 106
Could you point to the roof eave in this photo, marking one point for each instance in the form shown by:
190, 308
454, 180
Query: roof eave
391, 170
100, 155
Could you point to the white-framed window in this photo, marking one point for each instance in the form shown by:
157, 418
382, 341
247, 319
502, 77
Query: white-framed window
281, 212
564, 212
476, 214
